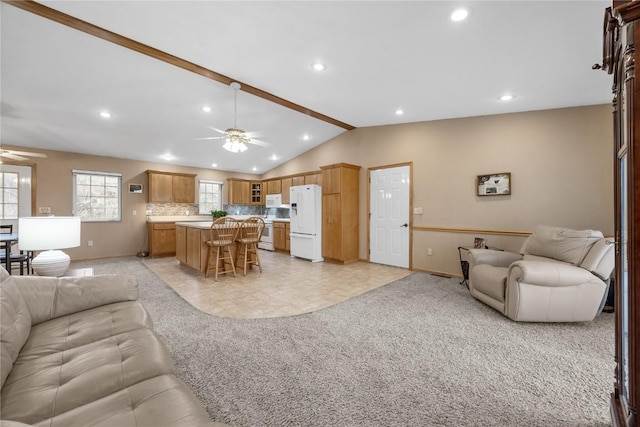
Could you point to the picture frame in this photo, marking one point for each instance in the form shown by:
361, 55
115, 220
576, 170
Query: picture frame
135, 188
497, 184
479, 243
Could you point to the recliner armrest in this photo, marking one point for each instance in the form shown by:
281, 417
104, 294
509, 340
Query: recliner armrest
492, 257
552, 274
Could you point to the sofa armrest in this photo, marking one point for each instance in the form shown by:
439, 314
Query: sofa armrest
552, 274
492, 257
51, 297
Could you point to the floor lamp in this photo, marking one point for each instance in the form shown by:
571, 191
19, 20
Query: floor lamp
49, 234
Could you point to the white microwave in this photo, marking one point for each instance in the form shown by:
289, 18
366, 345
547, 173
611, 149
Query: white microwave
274, 200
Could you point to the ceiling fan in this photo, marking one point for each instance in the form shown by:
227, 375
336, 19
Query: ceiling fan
19, 155
236, 138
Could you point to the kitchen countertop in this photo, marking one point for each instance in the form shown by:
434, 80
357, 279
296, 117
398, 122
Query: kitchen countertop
202, 218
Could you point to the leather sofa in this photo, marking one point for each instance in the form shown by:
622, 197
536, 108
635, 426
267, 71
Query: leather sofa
81, 351
560, 275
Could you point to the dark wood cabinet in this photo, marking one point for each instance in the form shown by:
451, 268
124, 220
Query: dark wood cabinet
620, 59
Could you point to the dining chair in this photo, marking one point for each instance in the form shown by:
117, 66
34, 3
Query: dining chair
22, 258
249, 234
223, 234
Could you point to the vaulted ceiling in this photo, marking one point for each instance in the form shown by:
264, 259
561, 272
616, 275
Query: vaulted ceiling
380, 57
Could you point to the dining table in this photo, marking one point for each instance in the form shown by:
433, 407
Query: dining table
8, 239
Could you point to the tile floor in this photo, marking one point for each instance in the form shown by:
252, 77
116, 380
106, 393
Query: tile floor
286, 287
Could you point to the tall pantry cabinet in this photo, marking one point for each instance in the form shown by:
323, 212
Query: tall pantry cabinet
340, 201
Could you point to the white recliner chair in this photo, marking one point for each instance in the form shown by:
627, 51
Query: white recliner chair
561, 275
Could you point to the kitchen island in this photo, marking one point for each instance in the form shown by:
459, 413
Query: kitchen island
191, 244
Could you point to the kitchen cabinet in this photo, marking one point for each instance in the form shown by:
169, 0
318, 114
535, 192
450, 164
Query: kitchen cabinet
340, 210
284, 187
181, 243
194, 247
274, 186
256, 192
297, 180
239, 192
162, 239
281, 236
314, 178
169, 187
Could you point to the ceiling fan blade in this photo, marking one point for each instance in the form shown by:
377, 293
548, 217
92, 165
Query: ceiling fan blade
210, 137
260, 143
254, 134
28, 153
13, 156
217, 130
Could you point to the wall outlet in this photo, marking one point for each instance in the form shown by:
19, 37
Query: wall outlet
90, 243
44, 209
135, 213
429, 252
417, 211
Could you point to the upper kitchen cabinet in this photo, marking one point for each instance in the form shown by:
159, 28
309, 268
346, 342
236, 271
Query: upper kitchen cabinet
273, 186
297, 180
170, 187
239, 192
313, 178
285, 186
243, 192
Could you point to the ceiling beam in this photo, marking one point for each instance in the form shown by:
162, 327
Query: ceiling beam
94, 30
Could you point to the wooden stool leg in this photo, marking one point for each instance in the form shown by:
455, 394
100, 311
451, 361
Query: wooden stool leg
233, 267
217, 263
258, 263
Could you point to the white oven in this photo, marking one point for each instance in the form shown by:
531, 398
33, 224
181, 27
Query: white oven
266, 242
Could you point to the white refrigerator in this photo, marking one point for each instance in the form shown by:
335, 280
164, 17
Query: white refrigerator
306, 222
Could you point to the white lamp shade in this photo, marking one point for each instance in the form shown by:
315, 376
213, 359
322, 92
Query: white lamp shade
41, 233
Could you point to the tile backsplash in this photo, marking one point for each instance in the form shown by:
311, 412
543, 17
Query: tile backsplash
179, 209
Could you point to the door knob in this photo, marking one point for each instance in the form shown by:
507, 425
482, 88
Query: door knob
404, 225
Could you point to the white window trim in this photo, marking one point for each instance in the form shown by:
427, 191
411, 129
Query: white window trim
76, 172
206, 181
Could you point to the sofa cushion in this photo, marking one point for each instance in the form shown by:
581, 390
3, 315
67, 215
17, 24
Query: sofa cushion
562, 244
15, 324
44, 387
162, 401
75, 330
490, 280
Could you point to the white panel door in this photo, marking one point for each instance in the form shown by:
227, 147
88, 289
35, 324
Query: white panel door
389, 224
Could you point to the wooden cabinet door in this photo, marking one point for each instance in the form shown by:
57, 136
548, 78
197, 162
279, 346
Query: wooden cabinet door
279, 241
287, 237
160, 188
285, 187
274, 186
315, 178
239, 192
255, 193
331, 226
184, 189
181, 243
162, 239
331, 180
297, 180
193, 247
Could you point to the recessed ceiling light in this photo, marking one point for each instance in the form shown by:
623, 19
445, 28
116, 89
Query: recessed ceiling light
399, 112
255, 169
506, 97
105, 114
274, 157
459, 14
318, 66
206, 109
214, 165
306, 137
167, 156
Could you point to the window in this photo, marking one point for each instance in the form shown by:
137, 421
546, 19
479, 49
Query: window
8, 195
96, 195
209, 196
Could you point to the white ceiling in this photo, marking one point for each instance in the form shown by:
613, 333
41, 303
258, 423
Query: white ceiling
381, 56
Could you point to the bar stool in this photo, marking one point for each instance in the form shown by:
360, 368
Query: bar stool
223, 234
22, 258
250, 233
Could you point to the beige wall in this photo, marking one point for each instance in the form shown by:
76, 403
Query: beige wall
54, 189
560, 163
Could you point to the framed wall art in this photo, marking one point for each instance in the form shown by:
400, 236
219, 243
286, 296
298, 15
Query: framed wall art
498, 184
